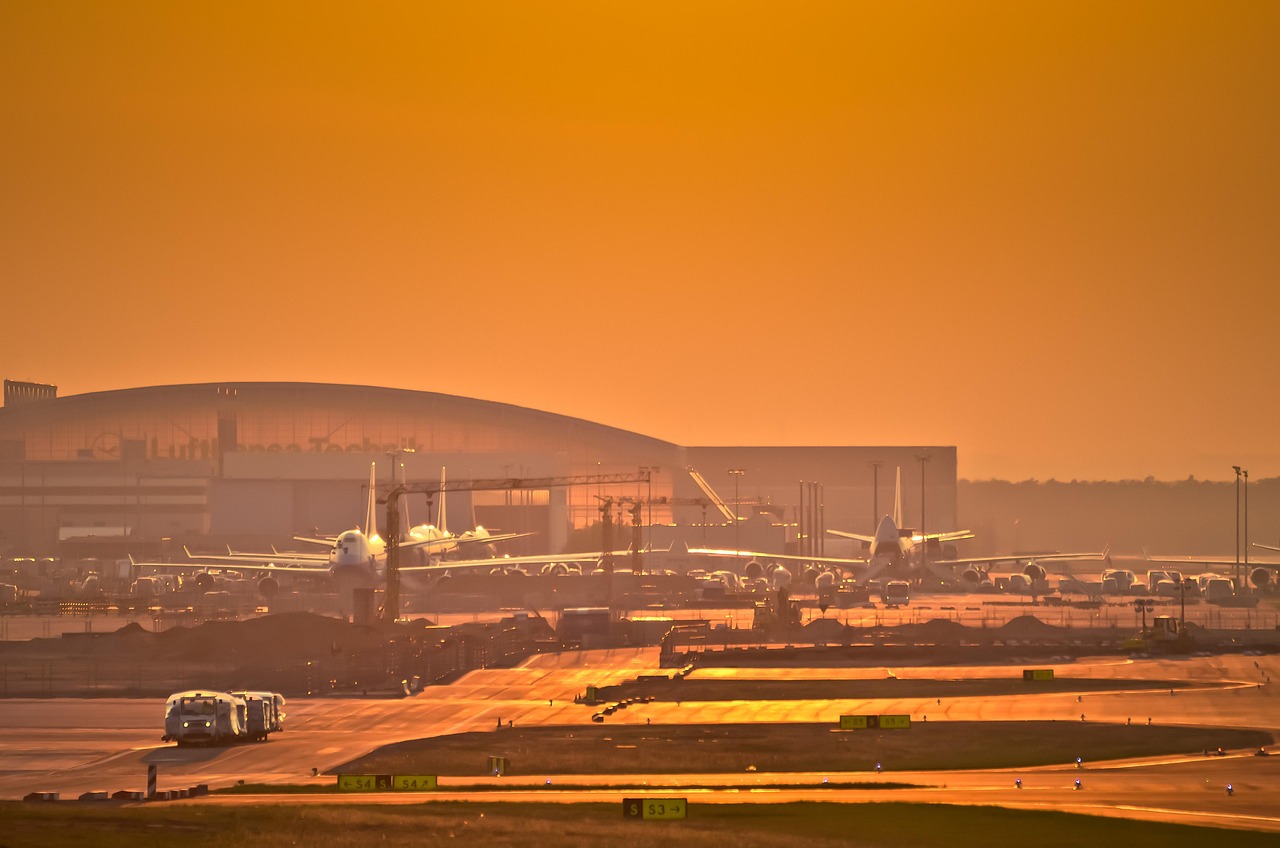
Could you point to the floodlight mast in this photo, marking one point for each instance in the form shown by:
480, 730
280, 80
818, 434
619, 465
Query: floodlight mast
391, 597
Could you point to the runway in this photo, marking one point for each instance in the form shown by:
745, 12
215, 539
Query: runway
73, 746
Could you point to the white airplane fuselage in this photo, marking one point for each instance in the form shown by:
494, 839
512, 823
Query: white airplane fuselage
355, 556
889, 542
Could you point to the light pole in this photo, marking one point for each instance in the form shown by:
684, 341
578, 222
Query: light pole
1244, 575
736, 474
649, 471
1237, 470
403, 505
875, 494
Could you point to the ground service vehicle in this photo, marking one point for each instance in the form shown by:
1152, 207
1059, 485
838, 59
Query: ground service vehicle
264, 713
201, 717
897, 593
204, 718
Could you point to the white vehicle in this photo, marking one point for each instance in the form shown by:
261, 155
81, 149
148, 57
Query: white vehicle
147, 587
204, 718
265, 714
1117, 581
897, 593
1219, 589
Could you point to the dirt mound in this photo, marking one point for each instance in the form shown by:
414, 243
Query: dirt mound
131, 640
271, 638
825, 630
1030, 627
936, 631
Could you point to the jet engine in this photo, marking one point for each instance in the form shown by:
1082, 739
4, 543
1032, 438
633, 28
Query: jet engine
780, 578
1035, 572
753, 569
1260, 577
205, 581
972, 575
268, 587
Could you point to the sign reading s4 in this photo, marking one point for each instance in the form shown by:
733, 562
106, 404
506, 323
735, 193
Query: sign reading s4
414, 782
364, 782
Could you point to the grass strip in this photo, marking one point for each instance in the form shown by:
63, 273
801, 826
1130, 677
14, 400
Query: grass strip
740, 748
526, 825
553, 786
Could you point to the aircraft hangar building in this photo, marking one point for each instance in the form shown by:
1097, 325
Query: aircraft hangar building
145, 470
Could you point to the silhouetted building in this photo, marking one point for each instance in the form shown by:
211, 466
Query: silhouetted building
257, 462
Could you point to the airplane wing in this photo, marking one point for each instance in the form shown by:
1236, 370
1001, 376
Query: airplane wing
327, 541
946, 536
1266, 547
858, 536
231, 560
1221, 562
503, 562
992, 560
324, 557
222, 563
825, 560
465, 539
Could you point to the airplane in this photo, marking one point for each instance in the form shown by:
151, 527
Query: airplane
890, 548
359, 555
890, 552
426, 539
1258, 571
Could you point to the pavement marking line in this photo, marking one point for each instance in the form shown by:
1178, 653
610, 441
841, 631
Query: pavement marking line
1193, 813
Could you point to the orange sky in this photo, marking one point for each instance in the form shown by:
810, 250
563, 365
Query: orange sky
1046, 233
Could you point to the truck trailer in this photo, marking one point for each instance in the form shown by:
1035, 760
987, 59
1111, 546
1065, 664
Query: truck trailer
265, 712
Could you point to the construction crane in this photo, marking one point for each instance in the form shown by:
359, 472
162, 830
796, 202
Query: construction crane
636, 506
395, 491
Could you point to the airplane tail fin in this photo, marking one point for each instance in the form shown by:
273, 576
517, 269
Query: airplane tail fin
371, 507
475, 525
897, 498
440, 525
405, 521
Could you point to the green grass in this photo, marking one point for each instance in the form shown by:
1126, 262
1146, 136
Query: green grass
696, 689
557, 786
802, 825
727, 748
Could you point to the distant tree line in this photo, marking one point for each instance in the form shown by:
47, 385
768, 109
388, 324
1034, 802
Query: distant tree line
1189, 516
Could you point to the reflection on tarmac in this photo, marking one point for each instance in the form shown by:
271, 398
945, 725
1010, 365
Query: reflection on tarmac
75, 745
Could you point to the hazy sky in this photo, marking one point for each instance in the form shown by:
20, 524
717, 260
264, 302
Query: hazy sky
1047, 233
